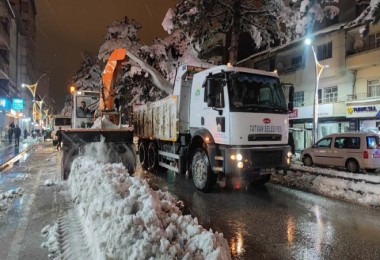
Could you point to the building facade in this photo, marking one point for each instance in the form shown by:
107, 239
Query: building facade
349, 84
17, 61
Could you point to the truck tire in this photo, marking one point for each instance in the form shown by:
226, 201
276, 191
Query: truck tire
152, 157
203, 177
143, 155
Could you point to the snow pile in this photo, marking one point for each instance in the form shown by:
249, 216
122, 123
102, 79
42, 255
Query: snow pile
22, 177
49, 182
8, 196
123, 218
103, 122
357, 188
52, 243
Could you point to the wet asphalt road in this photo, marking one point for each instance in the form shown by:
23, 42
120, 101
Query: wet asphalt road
259, 223
274, 222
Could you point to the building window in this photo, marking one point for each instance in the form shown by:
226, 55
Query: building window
26, 24
373, 88
330, 95
361, 5
374, 41
5, 24
324, 51
24, 7
299, 99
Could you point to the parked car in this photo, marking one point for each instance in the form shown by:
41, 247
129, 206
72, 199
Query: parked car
354, 151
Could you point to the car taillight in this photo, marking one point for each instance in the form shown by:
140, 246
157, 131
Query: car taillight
365, 154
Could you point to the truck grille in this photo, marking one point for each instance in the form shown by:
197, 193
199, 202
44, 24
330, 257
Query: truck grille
264, 137
267, 159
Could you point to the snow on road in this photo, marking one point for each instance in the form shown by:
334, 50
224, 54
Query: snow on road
123, 218
363, 189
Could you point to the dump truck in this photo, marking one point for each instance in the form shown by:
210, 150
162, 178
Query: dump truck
218, 122
95, 118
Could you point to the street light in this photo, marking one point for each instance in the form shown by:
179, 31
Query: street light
33, 88
318, 71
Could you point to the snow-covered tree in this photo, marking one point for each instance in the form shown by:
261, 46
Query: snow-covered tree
88, 76
267, 22
164, 55
371, 15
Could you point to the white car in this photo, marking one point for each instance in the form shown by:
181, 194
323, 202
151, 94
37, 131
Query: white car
354, 151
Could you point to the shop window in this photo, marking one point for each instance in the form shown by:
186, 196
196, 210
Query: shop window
330, 95
373, 88
324, 51
299, 99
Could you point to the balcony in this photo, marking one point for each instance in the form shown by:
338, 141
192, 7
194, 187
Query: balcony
367, 56
362, 96
291, 68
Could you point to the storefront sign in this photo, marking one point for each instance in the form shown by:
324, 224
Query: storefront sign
325, 110
363, 111
18, 104
5, 104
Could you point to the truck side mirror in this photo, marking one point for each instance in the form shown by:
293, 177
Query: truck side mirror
291, 96
209, 92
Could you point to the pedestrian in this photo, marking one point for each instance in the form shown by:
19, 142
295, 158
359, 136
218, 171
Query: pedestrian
25, 133
10, 133
59, 138
17, 131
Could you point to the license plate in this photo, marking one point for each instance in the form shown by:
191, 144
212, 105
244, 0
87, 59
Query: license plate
267, 171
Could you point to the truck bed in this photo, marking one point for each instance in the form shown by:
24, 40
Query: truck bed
159, 119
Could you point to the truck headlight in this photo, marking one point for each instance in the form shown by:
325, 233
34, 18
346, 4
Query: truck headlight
239, 157
289, 154
240, 165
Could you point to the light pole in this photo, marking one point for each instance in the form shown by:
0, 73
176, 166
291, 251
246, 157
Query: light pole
33, 89
318, 71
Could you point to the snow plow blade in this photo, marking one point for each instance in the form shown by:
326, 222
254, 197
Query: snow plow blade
118, 147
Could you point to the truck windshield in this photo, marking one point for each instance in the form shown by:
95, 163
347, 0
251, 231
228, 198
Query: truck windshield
250, 92
86, 106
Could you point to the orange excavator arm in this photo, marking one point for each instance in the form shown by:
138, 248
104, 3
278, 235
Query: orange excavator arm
109, 76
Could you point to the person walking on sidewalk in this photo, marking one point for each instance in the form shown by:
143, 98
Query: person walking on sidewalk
25, 133
59, 138
17, 131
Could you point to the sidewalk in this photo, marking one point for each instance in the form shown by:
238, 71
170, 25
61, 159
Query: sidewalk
9, 153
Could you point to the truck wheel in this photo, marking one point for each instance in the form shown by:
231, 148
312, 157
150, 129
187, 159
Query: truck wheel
143, 155
152, 157
203, 177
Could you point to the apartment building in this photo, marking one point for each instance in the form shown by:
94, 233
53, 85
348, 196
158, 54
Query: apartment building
17, 61
349, 84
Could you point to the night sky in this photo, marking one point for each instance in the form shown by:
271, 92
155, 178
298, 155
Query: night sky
65, 28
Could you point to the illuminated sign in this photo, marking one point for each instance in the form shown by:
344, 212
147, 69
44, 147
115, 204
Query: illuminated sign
362, 111
5, 104
18, 104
